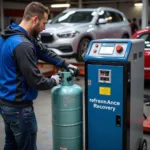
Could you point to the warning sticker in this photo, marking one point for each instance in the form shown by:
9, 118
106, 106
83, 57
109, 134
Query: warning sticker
63, 148
104, 90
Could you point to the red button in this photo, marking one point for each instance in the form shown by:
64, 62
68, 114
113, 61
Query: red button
94, 50
119, 48
96, 45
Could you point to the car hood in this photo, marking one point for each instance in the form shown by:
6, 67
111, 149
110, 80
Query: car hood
64, 27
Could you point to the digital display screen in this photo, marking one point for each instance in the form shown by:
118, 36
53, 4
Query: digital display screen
107, 50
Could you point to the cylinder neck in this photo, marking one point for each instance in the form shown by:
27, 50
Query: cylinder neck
67, 78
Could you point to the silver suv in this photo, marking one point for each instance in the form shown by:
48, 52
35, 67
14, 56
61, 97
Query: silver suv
70, 32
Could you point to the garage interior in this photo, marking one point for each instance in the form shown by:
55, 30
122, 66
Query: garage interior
12, 11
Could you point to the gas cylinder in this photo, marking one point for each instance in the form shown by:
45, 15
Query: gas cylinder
67, 117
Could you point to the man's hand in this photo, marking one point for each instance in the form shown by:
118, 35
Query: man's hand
57, 78
73, 69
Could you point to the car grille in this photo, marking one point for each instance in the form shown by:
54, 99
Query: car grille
46, 37
65, 49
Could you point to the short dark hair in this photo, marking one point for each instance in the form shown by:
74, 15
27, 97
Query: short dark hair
35, 9
134, 19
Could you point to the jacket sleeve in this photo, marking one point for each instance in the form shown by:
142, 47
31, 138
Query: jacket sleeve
49, 56
25, 56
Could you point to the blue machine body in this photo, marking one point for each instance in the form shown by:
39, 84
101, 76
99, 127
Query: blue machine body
108, 94
103, 112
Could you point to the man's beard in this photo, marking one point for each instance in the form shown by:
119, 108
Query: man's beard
35, 34
35, 31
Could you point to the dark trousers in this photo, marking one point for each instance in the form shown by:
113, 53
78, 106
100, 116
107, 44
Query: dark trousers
20, 128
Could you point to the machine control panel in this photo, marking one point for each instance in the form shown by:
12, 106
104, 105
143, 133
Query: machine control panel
108, 49
104, 76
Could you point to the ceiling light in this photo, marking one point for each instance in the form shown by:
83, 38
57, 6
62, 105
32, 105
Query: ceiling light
59, 5
138, 4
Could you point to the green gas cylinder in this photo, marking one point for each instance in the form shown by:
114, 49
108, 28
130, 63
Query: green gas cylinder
67, 120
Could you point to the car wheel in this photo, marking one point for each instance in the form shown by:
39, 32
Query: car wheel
83, 45
125, 36
143, 145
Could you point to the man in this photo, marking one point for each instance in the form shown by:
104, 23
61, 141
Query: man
134, 26
20, 77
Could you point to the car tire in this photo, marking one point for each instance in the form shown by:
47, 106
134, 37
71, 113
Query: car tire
83, 45
125, 36
143, 145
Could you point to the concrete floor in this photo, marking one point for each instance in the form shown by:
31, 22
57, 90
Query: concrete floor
43, 113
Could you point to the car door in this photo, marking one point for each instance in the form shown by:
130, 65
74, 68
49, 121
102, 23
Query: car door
114, 25
101, 28
146, 37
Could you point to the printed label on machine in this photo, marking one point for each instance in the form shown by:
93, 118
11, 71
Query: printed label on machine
104, 104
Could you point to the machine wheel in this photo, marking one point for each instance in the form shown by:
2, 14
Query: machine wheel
143, 145
83, 45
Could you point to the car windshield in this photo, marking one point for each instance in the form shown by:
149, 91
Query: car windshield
146, 38
74, 17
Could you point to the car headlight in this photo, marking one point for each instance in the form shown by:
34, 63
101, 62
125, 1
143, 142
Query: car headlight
68, 34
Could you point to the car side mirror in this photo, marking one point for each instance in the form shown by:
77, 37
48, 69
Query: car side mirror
102, 21
49, 21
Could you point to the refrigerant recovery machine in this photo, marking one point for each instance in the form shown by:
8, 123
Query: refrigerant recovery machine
114, 87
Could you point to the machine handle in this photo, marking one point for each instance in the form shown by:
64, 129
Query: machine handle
118, 120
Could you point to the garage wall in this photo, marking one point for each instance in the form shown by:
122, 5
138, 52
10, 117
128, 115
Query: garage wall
131, 11
11, 14
14, 5
113, 5
128, 8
